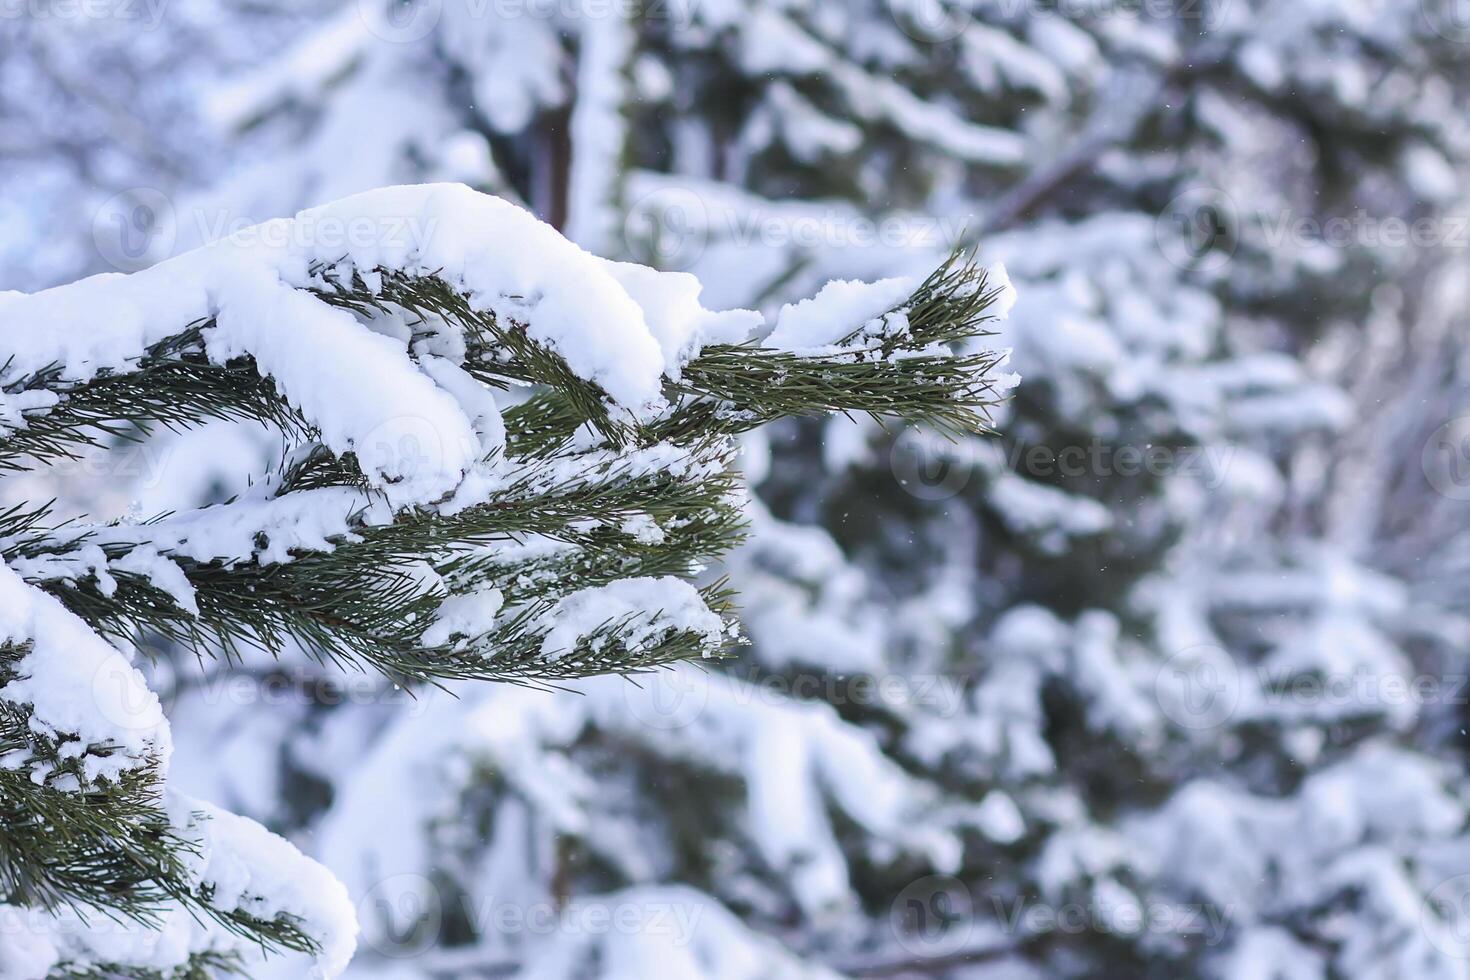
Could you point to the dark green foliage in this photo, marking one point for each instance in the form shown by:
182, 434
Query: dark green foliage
578, 470
107, 850
174, 385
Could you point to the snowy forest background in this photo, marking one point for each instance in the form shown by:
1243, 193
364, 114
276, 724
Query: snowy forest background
1167, 678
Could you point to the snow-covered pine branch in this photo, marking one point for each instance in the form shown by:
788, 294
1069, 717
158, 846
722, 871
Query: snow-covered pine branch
512, 460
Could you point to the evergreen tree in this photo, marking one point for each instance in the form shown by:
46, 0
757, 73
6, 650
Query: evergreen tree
414, 527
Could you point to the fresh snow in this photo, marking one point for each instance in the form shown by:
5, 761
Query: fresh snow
651, 608
244, 867
77, 685
841, 308
618, 326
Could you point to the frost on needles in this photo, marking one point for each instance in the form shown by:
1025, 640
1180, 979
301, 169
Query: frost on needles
510, 460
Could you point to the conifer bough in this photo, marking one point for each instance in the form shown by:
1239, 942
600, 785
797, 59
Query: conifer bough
512, 460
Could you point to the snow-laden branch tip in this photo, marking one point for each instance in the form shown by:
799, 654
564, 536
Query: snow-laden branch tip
381, 389
418, 525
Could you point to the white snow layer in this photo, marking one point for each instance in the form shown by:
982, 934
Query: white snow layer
836, 311
76, 684
646, 609
616, 325
85, 695
242, 865
417, 427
